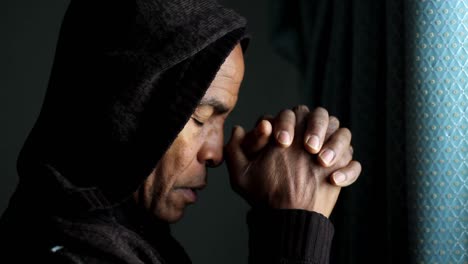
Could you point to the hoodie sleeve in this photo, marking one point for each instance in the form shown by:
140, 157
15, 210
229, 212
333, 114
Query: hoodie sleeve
288, 236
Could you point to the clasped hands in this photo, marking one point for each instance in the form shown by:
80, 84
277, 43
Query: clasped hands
299, 159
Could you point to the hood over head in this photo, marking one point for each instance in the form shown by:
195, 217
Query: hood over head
127, 76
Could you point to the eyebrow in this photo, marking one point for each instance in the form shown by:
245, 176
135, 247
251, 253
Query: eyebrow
217, 105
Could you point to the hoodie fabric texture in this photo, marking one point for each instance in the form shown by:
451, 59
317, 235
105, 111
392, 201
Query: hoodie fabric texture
126, 78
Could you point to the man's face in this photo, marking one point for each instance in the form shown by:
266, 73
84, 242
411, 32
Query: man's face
174, 182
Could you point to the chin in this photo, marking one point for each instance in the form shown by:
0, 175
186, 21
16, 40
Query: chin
170, 215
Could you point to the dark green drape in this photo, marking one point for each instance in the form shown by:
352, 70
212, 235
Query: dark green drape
351, 57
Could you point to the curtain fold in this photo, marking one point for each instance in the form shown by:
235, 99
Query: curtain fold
351, 58
362, 60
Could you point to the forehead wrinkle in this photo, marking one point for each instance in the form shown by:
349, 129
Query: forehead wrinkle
218, 82
230, 70
223, 87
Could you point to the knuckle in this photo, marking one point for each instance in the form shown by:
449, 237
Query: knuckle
343, 162
301, 109
354, 171
346, 132
286, 116
333, 120
322, 111
343, 158
320, 123
288, 113
285, 111
358, 167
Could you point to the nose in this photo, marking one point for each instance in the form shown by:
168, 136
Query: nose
211, 151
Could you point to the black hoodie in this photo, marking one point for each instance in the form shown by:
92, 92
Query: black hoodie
126, 78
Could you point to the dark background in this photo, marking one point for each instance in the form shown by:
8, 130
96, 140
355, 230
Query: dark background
214, 229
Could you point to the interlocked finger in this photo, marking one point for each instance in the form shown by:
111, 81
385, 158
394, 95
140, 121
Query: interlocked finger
283, 127
336, 146
316, 131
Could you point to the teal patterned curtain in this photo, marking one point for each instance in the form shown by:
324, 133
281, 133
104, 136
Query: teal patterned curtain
394, 71
437, 129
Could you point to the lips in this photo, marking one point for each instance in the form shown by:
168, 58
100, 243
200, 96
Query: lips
190, 193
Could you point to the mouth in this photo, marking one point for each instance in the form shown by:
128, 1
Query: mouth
190, 193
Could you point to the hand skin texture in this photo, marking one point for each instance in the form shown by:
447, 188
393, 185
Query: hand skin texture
299, 159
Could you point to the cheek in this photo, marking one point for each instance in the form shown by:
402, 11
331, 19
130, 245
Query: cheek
183, 151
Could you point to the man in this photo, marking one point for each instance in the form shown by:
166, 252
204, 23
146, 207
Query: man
132, 118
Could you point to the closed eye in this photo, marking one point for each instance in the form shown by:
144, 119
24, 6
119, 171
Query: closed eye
197, 122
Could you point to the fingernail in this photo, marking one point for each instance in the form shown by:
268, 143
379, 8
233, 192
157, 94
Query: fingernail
284, 138
339, 177
313, 142
327, 156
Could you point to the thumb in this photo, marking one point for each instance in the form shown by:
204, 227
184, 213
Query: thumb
236, 160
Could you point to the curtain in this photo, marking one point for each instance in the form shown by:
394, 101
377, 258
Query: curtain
362, 61
437, 92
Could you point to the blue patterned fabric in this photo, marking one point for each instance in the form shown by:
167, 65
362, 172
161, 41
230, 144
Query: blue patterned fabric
437, 130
